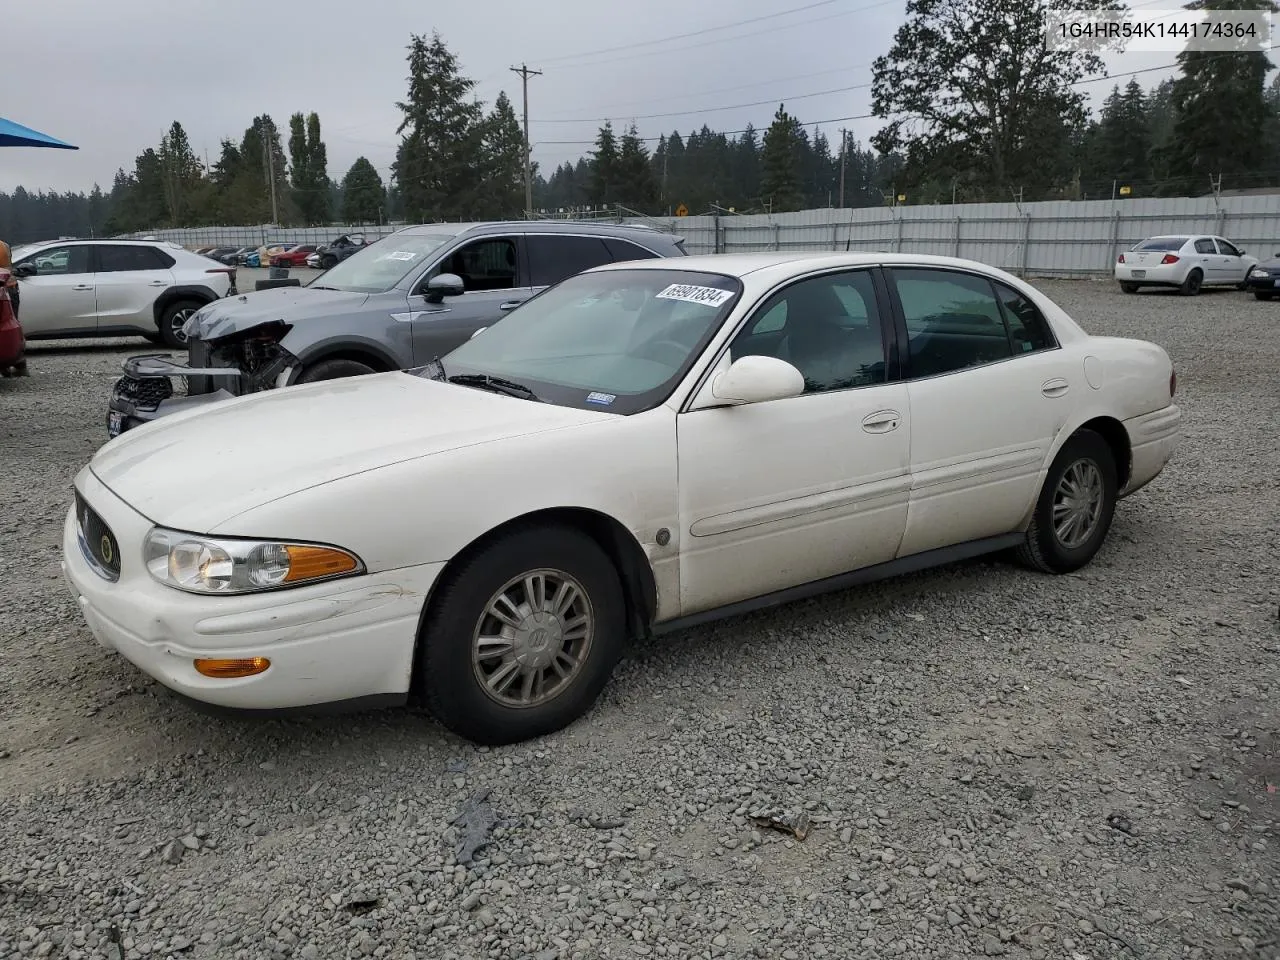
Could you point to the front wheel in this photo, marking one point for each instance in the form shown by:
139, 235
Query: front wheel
1075, 507
328, 262
1262, 295
522, 637
335, 369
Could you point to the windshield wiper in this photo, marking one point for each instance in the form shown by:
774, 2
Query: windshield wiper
485, 382
313, 286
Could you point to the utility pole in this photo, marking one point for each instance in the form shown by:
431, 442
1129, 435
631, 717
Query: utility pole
666, 155
268, 142
525, 74
844, 149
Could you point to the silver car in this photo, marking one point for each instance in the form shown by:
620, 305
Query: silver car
397, 304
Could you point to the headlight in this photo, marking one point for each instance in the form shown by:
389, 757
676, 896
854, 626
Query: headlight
1255, 272
216, 565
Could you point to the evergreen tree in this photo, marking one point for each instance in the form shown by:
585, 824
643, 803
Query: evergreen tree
309, 175
502, 163
603, 187
780, 185
435, 166
637, 188
363, 195
1122, 146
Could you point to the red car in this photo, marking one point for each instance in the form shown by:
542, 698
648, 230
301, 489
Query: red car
13, 346
294, 256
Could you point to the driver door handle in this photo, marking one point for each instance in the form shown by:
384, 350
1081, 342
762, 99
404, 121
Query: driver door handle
1054, 388
882, 421
510, 304
83, 286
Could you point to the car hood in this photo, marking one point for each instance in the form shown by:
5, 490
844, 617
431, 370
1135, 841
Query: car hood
248, 310
195, 471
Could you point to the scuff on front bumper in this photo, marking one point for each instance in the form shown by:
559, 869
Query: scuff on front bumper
146, 392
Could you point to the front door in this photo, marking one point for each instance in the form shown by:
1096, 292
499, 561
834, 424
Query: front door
60, 298
494, 282
780, 493
129, 278
988, 391
1233, 265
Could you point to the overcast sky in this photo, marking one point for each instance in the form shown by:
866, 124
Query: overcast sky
111, 76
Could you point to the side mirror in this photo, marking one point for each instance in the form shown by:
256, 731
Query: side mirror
756, 379
24, 270
444, 285
1243, 252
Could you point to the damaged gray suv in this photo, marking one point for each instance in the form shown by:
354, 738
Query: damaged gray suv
399, 303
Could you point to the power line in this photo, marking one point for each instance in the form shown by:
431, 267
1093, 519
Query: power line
731, 106
693, 33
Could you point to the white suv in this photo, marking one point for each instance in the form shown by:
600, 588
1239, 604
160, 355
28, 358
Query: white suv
115, 288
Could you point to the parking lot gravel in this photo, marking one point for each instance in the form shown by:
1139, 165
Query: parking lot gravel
991, 762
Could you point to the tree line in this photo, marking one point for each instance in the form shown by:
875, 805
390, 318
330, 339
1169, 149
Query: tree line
948, 133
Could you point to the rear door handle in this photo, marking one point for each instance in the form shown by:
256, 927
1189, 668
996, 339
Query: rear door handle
83, 286
158, 283
882, 421
510, 304
1055, 387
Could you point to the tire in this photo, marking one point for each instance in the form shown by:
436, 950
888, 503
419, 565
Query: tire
452, 678
1129, 287
1262, 295
171, 321
334, 369
328, 262
1044, 549
1191, 285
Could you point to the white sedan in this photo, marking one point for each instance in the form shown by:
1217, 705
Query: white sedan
1185, 263
642, 447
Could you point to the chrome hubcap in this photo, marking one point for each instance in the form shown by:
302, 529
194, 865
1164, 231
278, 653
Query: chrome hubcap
532, 639
179, 321
1077, 504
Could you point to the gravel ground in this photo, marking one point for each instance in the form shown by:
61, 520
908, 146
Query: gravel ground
993, 763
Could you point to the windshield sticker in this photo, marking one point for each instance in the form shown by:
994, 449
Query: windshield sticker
601, 398
708, 296
400, 255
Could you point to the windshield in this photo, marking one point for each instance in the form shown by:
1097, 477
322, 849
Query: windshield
380, 267
616, 341
1162, 243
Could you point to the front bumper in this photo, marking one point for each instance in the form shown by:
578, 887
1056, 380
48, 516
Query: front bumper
331, 643
1266, 283
13, 349
146, 393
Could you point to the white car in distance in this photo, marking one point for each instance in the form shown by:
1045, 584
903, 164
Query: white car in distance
115, 288
1185, 263
644, 446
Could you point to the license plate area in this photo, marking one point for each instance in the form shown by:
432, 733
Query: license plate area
1139, 273
115, 424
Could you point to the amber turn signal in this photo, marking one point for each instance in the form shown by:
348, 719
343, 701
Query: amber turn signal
232, 669
314, 563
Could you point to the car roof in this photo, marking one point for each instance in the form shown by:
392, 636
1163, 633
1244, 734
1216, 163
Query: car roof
620, 230
742, 264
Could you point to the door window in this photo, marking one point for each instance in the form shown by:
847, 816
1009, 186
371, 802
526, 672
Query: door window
483, 265
1028, 329
59, 261
554, 258
953, 321
1227, 249
626, 250
122, 259
827, 327
1205, 245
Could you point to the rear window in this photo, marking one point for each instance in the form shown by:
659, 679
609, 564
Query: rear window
1162, 243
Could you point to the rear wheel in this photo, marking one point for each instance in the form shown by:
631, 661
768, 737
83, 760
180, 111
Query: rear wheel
1191, 285
172, 320
522, 636
334, 370
1075, 507
1129, 287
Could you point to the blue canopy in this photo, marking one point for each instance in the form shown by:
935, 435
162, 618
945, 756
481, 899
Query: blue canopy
16, 135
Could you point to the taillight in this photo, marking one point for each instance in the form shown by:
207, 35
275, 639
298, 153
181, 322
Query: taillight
1173, 383
1169, 258
1121, 260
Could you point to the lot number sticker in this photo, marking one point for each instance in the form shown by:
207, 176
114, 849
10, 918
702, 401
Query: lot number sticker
400, 255
709, 296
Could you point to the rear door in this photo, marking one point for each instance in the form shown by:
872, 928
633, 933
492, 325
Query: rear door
60, 297
494, 280
554, 257
129, 277
989, 389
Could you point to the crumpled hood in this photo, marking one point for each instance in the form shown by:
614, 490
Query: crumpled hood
248, 310
197, 470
